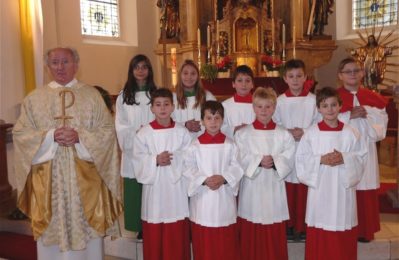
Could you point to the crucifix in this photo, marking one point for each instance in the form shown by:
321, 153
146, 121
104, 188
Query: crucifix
63, 116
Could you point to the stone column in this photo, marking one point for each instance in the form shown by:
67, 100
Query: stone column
394, 193
6, 198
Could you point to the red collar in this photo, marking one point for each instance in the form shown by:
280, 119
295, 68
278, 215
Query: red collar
365, 96
307, 86
260, 126
206, 138
155, 125
324, 127
240, 99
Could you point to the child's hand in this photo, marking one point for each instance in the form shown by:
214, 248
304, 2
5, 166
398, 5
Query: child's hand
214, 182
267, 161
164, 158
358, 112
297, 133
239, 127
193, 126
332, 159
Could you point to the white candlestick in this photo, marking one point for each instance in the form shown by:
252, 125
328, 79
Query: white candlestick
283, 37
217, 36
199, 38
208, 37
293, 42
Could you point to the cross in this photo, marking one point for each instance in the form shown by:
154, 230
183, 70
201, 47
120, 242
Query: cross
64, 117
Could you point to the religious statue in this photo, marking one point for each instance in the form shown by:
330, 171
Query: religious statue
322, 9
372, 58
170, 17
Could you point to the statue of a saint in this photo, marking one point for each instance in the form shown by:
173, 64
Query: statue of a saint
372, 58
170, 17
322, 9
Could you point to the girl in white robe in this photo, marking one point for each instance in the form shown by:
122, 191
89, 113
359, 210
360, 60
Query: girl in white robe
133, 112
189, 97
266, 154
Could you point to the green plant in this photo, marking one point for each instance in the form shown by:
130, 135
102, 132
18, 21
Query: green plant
209, 72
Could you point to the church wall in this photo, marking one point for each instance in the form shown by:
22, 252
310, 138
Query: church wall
102, 64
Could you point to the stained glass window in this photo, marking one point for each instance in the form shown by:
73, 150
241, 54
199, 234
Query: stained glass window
370, 13
100, 17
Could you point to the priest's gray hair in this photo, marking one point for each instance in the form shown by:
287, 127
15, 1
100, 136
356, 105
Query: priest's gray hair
73, 51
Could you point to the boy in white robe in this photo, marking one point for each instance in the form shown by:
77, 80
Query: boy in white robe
364, 110
214, 174
238, 109
266, 154
296, 110
158, 158
329, 161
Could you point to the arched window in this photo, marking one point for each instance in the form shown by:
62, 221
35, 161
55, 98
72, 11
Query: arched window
374, 13
100, 18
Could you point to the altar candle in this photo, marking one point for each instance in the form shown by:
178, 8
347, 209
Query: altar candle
217, 35
199, 38
173, 66
208, 37
283, 37
293, 42
273, 33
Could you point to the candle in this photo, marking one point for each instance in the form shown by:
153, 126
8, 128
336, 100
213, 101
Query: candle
217, 36
293, 42
273, 33
283, 37
199, 38
208, 37
173, 66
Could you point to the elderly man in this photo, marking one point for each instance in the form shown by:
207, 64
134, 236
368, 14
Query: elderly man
67, 164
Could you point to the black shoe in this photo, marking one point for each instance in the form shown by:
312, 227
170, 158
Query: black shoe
363, 240
303, 236
290, 233
139, 235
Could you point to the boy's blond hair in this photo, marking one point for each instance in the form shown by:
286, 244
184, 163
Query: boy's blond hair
264, 93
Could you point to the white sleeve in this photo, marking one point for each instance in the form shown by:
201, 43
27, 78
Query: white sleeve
47, 149
378, 120
145, 162
284, 161
248, 159
195, 176
234, 172
177, 164
307, 163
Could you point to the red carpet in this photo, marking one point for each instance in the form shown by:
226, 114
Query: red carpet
17, 247
385, 203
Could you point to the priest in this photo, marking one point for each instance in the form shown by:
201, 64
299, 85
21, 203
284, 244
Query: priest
67, 164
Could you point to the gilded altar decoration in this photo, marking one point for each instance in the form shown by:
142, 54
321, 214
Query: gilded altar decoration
170, 17
372, 56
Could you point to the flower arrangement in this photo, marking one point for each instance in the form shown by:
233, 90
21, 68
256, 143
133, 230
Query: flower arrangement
224, 64
209, 72
271, 63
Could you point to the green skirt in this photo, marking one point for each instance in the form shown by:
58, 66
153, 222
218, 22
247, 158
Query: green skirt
132, 202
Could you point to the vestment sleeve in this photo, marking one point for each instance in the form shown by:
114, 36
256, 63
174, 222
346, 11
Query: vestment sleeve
284, 161
248, 158
307, 163
145, 161
192, 172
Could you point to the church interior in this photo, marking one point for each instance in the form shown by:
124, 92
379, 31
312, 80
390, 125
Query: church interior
221, 34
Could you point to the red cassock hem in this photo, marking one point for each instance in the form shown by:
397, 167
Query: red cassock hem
260, 242
330, 245
297, 194
367, 213
215, 243
166, 241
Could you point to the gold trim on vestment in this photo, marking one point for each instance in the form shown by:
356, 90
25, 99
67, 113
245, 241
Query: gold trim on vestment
35, 199
100, 207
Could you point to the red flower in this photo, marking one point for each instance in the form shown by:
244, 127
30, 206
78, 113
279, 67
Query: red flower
272, 63
308, 85
224, 64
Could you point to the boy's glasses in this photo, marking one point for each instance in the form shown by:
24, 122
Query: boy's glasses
351, 72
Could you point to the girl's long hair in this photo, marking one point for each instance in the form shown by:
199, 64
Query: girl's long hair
131, 87
200, 95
